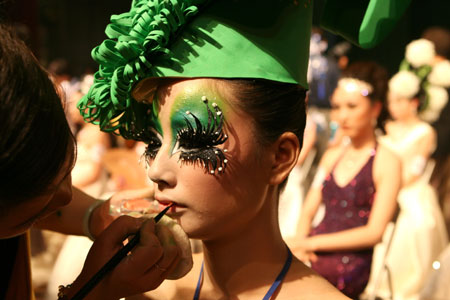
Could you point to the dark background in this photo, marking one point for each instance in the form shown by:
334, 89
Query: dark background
70, 29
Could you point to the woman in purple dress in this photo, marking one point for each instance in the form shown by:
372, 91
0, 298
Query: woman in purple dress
357, 182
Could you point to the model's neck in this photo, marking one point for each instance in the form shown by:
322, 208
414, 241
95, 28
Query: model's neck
408, 120
247, 260
367, 139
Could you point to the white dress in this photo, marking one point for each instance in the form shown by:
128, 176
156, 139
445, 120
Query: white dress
437, 286
419, 233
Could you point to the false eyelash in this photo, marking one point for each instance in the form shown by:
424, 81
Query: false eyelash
200, 141
153, 145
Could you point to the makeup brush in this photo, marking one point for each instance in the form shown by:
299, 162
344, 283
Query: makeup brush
114, 261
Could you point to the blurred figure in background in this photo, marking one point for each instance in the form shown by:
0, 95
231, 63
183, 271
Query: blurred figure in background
88, 174
61, 74
357, 181
440, 37
340, 54
420, 226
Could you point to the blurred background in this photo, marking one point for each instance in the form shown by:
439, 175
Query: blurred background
70, 29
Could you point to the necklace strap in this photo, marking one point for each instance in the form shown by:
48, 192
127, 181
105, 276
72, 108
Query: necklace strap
199, 283
280, 276
273, 287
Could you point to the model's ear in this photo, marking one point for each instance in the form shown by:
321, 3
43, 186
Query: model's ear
285, 154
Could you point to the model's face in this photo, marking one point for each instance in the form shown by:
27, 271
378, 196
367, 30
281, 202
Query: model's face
21, 217
213, 175
401, 108
352, 111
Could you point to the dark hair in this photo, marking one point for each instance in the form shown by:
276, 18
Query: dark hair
35, 136
275, 108
377, 77
440, 37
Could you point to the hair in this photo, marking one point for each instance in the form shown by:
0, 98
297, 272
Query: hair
440, 37
377, 77
36, 139
275, 108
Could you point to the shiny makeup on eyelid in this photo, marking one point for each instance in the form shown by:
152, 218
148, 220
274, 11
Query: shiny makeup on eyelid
197, 121
153, 137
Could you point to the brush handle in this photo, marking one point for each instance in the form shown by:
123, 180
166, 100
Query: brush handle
111, 264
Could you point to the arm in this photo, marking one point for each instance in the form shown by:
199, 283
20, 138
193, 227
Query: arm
387, 179
69, 219
309, 210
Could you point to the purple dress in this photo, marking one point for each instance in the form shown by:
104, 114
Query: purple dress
346, 207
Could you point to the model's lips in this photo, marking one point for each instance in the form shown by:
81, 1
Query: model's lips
166, 202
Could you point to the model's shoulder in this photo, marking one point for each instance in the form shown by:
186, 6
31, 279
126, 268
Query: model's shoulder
304, 283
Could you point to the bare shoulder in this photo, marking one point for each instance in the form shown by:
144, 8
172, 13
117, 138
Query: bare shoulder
304, 283
385, 156
386, 162
429, 132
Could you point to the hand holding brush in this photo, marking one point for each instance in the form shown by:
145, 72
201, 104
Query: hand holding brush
113, 271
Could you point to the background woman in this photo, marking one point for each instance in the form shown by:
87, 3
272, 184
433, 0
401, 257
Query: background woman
358, 181
420, 226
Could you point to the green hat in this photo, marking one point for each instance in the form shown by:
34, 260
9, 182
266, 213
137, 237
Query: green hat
363, 22
267, 39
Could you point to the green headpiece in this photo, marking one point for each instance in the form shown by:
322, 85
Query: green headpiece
266, 39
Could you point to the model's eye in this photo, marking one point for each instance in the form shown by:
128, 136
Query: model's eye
197, 143
153, 144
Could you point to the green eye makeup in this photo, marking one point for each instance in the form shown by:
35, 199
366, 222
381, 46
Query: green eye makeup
196, 129
198, 143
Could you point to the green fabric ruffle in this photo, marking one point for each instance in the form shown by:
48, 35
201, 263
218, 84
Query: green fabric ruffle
135, 40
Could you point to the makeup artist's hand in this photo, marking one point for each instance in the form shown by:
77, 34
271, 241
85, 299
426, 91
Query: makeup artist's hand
142, 270
101, 216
